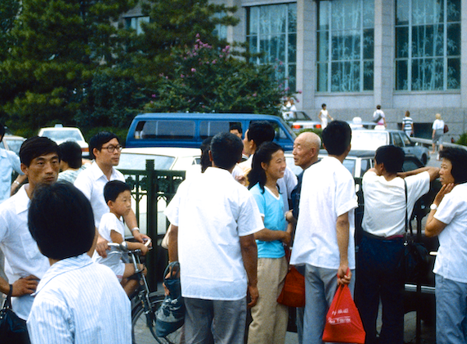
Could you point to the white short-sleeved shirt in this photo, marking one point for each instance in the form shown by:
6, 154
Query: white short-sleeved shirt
80, 302
376, 115
91, 182
286, 184
438, 124
385, 202
109, 222
452, 253
212, 211
20, 249
9, 161
328, 191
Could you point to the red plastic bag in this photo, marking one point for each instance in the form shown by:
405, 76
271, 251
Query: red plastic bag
343, 323
293, 291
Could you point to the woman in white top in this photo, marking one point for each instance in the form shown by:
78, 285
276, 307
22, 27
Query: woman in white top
438, 132
323, 116
448, 220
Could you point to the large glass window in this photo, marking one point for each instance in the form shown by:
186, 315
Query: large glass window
272, 30
428, 45
135, 23
345, 60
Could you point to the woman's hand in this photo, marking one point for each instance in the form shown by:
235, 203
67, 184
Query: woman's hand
445, 189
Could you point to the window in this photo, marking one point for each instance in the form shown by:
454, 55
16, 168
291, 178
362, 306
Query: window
272, 30
166, 129
428, 45
211, 128
135, 23
345, 60
221, 30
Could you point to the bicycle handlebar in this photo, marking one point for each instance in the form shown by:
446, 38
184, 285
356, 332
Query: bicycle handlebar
123, 247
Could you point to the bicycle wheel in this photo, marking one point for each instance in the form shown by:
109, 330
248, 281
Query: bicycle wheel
141, 333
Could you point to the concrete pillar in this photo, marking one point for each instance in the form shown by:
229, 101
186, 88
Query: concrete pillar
306, 53
464, 63
384, 53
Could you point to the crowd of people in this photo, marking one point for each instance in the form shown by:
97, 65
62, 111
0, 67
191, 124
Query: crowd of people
231, 226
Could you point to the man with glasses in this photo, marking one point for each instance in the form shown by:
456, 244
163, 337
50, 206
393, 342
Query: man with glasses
105, 149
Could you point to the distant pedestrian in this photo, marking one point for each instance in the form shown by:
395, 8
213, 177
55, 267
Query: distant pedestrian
71, 161
379, 118
324, 116
407, 124
438, 133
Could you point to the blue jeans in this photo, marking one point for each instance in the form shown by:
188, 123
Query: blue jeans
380, 275
451, 311
320, 287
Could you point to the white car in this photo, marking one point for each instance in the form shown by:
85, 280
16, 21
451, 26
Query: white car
60, 134
165, 158
12, 142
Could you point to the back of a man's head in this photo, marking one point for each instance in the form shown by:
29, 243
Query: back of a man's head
2, 131
100, 139
260, 131
226, 150
37, 146
61, 220
391, 156
71, 154
336, 137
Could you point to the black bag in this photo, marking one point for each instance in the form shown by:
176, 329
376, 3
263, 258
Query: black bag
171, 314
377, 118
445, 129
415, 253
13, 330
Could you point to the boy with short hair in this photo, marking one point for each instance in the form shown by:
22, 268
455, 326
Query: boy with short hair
76, 301
117, 195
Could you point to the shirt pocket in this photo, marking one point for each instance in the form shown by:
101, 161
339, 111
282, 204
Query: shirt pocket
30, 249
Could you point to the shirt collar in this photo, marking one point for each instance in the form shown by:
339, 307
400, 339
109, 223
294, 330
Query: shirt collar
22, 200
63, 266
97, 172
3, 152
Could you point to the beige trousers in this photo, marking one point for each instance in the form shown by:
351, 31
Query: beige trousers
270, 318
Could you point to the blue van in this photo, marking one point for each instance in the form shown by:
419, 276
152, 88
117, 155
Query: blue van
190, 129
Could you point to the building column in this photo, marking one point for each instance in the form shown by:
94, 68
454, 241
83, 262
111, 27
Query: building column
464, 64
306, 53
384, 53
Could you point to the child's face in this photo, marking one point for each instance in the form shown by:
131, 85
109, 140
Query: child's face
122, 204
276, 167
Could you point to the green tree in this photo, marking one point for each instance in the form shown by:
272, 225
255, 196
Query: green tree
9, 9
58, 46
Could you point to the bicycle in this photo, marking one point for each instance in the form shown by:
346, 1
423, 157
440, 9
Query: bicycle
144, 303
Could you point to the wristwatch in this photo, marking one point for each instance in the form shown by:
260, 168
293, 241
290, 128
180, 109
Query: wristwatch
433, 207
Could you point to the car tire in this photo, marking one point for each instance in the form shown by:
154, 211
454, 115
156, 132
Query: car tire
424, 159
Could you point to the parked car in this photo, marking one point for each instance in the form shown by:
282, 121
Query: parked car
190, 129
12, 142
302, 121
60, 134
165, 158
372, 139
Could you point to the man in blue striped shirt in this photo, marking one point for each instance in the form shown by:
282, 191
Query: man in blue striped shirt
77, 300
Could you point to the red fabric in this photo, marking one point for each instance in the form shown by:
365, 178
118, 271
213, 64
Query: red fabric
343, 323
293, 292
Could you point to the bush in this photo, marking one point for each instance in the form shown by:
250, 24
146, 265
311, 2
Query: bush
462, 140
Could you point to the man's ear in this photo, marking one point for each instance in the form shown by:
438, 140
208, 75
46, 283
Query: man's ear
95, 151
210, 156
24, 169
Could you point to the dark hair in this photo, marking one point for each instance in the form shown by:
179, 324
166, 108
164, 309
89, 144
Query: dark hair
226, 150
71, 153
260, 131
37, 146
378, 107
323, 105
114, 188
336, 137
257, 175
236, 126
391, 156
407, 113
205, 160
458, 159
2, 131
69, 234
100, 139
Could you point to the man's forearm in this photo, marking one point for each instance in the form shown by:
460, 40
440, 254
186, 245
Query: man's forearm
250, 258
342, 230
173, 243
130, 220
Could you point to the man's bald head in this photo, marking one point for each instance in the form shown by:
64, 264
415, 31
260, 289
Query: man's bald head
305, 149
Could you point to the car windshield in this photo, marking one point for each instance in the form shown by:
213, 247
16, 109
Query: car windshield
301, 116
368, 139
132, 161
63, 135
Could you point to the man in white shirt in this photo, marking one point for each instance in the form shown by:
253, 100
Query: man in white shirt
40, 161
213, 220
77, 301
105, 148
380, 272
324, 239
258, 133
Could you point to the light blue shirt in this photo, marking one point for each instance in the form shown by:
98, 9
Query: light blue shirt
79, 301
9, 161
272, 208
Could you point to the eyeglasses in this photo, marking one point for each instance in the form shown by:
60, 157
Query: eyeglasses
112, 148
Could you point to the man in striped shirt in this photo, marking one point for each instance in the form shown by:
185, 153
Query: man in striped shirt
77, 300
